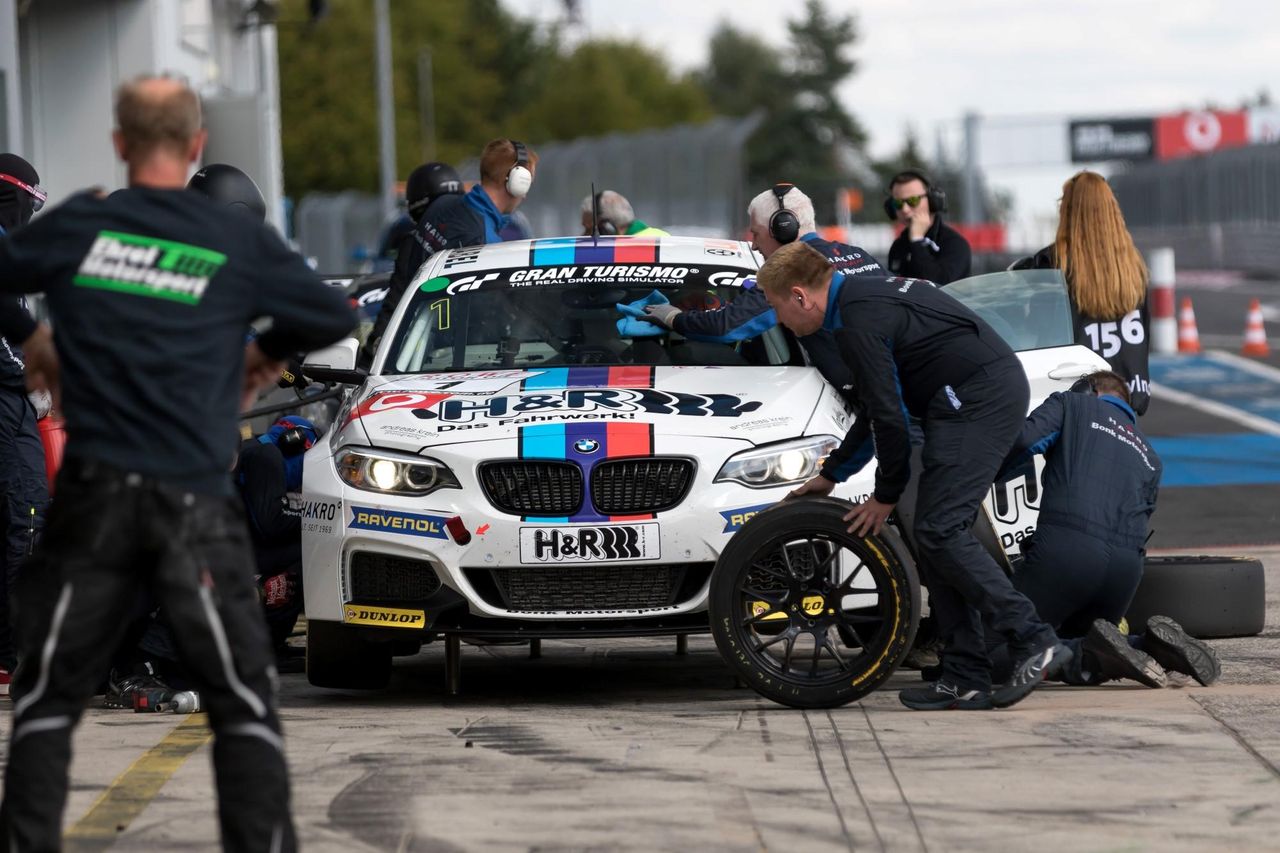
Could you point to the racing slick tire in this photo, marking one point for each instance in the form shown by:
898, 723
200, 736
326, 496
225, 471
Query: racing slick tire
1207, 596
807, 614
340, 658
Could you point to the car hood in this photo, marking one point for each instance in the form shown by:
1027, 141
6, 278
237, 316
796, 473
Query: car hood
415, 413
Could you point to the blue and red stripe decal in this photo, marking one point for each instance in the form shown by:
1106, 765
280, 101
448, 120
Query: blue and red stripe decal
561, 442
567, 251
590, 376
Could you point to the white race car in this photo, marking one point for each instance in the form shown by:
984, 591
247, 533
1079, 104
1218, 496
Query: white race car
515, 465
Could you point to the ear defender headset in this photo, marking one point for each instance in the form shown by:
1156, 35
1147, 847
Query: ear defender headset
520, 179
937, 198
1084, 385
604, 227
784, 225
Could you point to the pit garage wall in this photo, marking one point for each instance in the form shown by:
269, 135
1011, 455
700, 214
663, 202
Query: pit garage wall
72, 54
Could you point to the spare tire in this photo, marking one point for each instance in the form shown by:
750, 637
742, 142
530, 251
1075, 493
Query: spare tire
808, 614
1208, 596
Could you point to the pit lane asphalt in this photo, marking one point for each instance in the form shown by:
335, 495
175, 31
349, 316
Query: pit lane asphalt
624, 745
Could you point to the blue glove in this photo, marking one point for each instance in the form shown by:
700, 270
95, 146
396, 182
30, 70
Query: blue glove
632, 324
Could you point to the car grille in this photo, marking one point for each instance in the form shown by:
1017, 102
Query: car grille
382, 578
635, 486
592, 588
533, 488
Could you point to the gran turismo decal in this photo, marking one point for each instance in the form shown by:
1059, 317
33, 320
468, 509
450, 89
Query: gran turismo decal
589, 544
605, 400
384, 617
392, 521
735, 518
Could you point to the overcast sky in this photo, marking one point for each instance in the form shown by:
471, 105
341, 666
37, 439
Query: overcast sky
927, 63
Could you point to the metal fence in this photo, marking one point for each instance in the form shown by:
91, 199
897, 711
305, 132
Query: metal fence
688, 179
1218, 211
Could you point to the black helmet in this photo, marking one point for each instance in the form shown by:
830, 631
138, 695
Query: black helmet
20, 192
230, 186
427, 183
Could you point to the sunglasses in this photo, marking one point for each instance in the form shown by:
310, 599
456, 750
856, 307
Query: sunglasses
913, 200
37, 192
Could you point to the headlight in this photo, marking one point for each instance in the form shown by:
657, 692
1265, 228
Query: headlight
778, 464
392, 473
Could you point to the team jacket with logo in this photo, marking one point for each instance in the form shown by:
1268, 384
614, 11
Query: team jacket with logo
903, 340
1101, 475
1124, 343
150, 293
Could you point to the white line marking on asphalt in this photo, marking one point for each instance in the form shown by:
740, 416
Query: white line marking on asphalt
1239, 362
1221, 410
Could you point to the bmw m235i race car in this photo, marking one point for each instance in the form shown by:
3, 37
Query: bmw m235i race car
516, 464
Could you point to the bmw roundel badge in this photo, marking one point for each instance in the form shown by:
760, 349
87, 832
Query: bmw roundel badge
586, 445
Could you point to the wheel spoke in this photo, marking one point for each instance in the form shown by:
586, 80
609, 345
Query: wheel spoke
762, 617
861, 616
821, 565
791, 647
767, 643
847, 583
834, 652
817, 654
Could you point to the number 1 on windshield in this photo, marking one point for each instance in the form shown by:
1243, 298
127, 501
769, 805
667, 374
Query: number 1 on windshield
441, 309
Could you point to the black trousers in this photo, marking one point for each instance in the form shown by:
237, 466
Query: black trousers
108, 534
1073, 578
24, 497
968, 430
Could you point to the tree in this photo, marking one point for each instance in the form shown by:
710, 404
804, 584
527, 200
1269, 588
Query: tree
805, 126
495, 75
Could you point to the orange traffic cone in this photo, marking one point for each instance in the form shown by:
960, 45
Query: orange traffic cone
1255, 334
1188, 337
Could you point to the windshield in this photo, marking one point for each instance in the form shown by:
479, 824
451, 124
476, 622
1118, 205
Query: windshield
537, 316
1028, 308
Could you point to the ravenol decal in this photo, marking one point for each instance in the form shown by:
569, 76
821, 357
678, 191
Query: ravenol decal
384, 617
147, 266
613, 400
735, 518
391, 521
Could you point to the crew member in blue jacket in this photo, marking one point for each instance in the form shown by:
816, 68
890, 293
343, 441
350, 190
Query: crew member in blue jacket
778, 216
915, 351
24, 492
1085, 560
452, 221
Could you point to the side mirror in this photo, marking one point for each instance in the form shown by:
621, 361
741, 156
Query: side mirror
335, 363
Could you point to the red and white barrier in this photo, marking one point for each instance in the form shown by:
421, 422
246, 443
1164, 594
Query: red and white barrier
1164, 318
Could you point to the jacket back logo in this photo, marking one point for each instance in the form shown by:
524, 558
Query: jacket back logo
148, 266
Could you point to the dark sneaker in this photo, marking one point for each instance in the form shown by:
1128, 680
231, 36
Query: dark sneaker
1176, 651
1117, 659
941, 696
1028, 674
136, 692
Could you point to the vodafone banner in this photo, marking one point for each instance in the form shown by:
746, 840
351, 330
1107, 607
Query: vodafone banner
1200, 132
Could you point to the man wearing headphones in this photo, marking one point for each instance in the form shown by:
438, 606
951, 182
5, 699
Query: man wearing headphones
927, 247
778, 216
612, 214
452, 220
